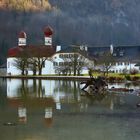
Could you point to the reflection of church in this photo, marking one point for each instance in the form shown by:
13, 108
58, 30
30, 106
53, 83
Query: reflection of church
41, 99
45, 96
26, 107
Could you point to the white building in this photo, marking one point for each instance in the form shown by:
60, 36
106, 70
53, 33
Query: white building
124, 58
54, 55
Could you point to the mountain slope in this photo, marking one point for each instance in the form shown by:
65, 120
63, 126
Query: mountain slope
25, 5
92, 22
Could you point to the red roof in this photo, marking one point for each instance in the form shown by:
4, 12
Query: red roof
48, 31
32, 51
14, 51
22, 34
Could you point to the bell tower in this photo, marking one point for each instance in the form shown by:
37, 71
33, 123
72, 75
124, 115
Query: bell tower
48, 32
22, 39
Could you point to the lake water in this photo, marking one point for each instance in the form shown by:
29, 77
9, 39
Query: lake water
55, 110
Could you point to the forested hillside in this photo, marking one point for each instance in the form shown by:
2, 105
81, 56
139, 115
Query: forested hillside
92, 22
25, 5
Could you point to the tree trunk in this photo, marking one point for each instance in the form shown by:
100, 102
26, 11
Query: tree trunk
34, 72
22, 73
40, 71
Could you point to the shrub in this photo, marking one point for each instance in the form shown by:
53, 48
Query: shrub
127, 77
134, 71
135, 78
111, 79
119, 79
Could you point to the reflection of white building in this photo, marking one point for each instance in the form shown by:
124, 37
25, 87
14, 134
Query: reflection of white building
51, 94
49, 88
22, 114
48, 112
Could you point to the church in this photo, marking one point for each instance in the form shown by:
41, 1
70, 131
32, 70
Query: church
54, 59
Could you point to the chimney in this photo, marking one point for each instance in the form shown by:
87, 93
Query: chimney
58, 48
48, 32
111, 48
22, 39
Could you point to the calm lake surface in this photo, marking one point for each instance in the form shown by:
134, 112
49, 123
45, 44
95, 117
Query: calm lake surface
55, 110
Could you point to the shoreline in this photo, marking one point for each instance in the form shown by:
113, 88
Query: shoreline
48, 77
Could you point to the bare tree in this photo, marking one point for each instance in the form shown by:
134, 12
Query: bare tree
72, 63
33, 58
38, 57
21, 62
105, 63
32, 65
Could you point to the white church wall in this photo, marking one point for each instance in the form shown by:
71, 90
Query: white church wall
11, 69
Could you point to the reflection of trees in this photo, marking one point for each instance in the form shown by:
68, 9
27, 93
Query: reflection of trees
96, 97
41, 89
67, 87
36, 89
2, 92
131, 84
33, 95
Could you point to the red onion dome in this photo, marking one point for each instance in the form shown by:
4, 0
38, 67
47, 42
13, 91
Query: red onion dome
48, 31
22, 34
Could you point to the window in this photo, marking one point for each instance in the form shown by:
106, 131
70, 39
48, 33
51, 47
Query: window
61, 56
60, 63
121, 53
55, 63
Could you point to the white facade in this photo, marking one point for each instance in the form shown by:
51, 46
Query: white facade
122, 67
49, 67
13, 70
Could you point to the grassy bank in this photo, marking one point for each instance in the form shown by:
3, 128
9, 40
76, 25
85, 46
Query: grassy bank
112, 77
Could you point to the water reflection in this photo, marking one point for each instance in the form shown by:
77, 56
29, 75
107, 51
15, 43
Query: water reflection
43, 94
51, 93
48, 109
42, 89
22, 114
129, 85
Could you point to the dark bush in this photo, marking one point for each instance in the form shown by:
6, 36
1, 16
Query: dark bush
119, 79
127, 77
111, 79
134, 71
135, 78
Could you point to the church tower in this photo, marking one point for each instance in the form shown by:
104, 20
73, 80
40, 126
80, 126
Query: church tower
22, 39
48, 32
